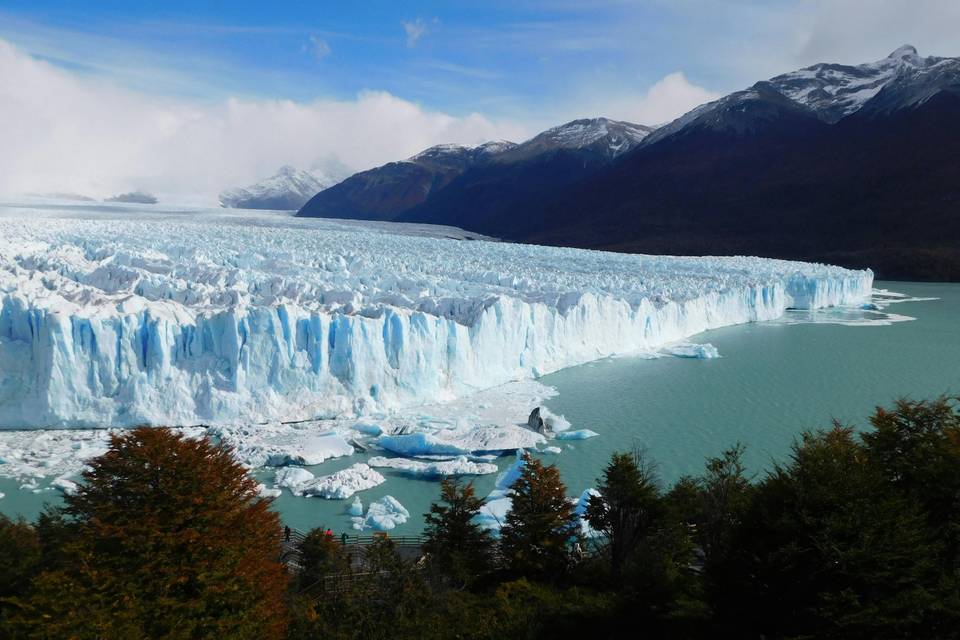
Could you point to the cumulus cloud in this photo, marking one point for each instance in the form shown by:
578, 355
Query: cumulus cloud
666, 99
670, 97
414, 29
63, 131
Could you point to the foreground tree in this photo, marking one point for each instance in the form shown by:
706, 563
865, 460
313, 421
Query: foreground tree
321, 556
166, 537
19, 557
541, 524
455, 542
828, 550
916, 446
626, 509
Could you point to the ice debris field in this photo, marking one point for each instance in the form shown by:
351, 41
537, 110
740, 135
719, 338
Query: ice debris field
301, 342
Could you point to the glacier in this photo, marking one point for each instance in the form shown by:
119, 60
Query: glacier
198, 319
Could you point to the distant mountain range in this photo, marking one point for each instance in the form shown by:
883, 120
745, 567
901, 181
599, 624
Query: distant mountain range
134, 197
855, 165
423, 187
288, 189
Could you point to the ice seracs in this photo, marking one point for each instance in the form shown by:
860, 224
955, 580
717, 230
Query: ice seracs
127, 322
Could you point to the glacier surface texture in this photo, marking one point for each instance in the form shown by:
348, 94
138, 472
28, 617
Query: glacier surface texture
198, 320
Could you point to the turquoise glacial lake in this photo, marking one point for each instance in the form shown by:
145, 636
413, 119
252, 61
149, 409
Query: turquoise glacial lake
772, 381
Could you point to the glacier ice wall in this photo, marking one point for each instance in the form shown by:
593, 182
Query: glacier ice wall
184, 321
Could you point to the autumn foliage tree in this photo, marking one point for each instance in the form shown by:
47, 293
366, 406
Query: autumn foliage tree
541, 524
166, 537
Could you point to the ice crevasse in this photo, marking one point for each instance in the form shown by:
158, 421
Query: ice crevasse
181, 322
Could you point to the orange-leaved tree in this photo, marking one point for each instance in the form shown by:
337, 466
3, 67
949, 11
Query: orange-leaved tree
166, 537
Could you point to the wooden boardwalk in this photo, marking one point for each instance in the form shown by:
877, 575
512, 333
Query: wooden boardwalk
409, 548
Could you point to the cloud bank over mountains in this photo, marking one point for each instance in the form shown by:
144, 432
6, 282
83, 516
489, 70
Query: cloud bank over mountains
72, 132
68, 132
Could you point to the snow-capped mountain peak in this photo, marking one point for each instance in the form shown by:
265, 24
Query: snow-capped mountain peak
907, 51
288, 188
461, 153
610, 138
583, 133
829, 92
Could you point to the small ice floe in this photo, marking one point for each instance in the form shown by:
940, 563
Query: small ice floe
692, 350
383, 515
368, 428
356, 507
266, 492
579, 434
543, 421
68, 487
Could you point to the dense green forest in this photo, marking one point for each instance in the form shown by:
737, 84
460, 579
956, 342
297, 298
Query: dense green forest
855, 535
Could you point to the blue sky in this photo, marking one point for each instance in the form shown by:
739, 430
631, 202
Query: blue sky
437, 71
506, 58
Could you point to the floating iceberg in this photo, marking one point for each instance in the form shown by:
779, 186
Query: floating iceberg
460, 466
342, 484
420, 444
356, 507
275, 445
692, 350
383, 515
292, 478
497, 504
580, 510
207, 320
266, 492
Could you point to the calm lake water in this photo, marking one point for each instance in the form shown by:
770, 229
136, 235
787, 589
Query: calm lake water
773, 381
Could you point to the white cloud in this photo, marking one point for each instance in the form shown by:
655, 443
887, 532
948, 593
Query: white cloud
63, 131
319, 47
670, 97
666, 99
415, 30
880, 27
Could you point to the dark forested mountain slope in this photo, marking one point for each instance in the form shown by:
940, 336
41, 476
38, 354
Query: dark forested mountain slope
856, 165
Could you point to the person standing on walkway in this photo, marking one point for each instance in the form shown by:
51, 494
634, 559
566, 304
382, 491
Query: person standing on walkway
286, 533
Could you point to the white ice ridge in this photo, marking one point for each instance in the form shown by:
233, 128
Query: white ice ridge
181, 320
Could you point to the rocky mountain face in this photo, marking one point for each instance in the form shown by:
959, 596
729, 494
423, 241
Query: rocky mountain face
423, 186
857, 165
134, 197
